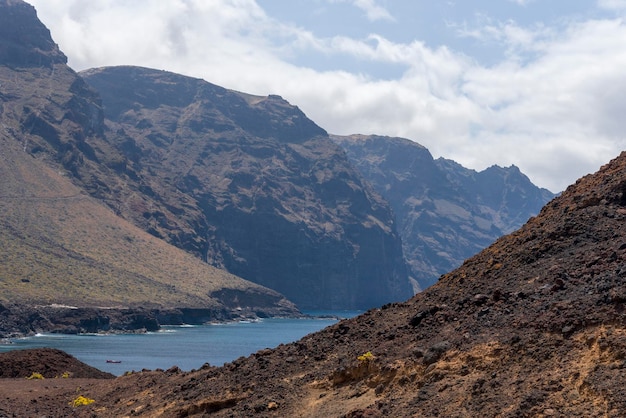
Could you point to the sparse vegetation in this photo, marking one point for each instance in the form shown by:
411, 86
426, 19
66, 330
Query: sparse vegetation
81, 401
35, 375
366, 357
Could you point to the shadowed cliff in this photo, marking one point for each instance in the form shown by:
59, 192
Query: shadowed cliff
445, 213
251, 185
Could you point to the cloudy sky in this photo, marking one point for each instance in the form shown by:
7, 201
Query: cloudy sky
536, 83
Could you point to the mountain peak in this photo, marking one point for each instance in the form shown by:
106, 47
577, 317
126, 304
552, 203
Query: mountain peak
24, 40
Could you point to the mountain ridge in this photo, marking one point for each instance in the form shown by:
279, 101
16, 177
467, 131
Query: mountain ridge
267, 195
445, 212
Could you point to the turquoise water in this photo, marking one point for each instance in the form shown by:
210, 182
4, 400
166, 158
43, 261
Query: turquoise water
188, 347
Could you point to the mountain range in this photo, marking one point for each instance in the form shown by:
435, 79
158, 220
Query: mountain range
115, 202
532, 326
258, 188
133, 187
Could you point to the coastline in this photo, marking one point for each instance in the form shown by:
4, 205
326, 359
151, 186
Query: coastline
215, 343
17, 321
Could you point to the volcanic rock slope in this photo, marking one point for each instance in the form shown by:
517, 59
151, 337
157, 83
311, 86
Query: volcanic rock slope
534, 325
58, 245
445, 213
251, 185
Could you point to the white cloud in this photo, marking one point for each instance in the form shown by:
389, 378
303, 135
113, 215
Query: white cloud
561, 106
553, 105
372, 10
612, 4
518, 42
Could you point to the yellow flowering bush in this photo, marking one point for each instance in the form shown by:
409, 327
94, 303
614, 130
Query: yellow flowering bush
366, 357
35, 375
81, 400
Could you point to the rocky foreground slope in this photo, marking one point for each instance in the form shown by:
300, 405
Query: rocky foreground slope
534, 325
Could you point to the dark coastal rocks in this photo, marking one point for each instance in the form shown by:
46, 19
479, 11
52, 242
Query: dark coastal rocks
48, 362
19, 320
22, 320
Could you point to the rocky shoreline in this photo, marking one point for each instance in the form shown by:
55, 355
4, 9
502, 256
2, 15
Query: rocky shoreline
21, 320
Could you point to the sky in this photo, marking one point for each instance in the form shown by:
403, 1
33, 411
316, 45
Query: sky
540, 84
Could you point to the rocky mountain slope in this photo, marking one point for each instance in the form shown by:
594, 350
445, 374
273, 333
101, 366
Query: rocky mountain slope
445, 213
251, 185
534, 325
59, 246
62, 248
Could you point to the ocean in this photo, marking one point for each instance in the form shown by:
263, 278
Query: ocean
188, 347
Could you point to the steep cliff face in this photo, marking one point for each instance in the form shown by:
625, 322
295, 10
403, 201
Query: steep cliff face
24, 41
59, 245
44, 103
251, 185
445, 212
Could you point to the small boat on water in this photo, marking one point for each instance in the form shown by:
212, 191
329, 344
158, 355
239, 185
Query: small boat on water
114, 361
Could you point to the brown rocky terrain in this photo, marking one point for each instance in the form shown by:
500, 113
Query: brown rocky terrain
533, 326
42, 376
48, 362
